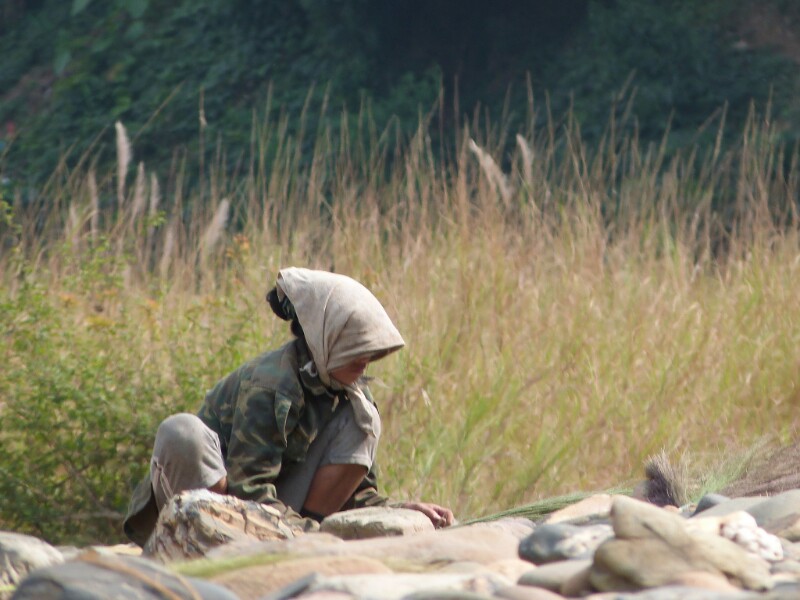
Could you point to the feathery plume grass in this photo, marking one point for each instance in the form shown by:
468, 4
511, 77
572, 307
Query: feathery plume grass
139, 194
526, 157
168, 251
493, 172
123, 161
213, 232
94, 205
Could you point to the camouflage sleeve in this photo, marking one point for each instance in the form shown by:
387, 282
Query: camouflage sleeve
256, 447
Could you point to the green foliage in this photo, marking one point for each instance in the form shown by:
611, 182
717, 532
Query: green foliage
680, 62
187, 75
72, 410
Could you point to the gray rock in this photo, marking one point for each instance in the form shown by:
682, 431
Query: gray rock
375, 521
96, 577
550, 543
196, 521
553, 576
780, 515
734, 505
20, 554
709, 501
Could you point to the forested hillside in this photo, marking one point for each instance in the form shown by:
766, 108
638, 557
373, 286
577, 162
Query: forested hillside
190, 74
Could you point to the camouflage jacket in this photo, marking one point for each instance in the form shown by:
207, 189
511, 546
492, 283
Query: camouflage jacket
266, 414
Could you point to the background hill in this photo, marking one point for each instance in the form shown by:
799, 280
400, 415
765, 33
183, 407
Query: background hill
185, 75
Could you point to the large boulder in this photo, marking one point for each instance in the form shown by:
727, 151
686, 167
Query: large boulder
196, 521
653, 548
20, 554
96, 576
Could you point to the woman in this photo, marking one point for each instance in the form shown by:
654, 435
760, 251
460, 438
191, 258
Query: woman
295, 428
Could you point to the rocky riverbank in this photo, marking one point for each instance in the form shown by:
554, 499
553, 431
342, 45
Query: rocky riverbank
216, 547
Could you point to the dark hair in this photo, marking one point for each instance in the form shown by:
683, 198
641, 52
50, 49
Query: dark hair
284, 310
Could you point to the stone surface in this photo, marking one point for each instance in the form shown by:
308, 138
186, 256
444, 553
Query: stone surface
553, 576
780, 515
526, 592
196, 521
483, 543
20, 554
733, 505
709, 501
555, 542
402, 585
653, 548
98, 576
598, 505
375, 521
741, 528
254, 582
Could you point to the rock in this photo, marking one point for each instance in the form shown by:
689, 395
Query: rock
553, 576
734, 505
550, 543
256, 581
375, 521
196, 521
598, 505
709, 501
482, 543
653, 548
94, 575
741, 528
704, 580
787, 565
403, 585
780, 515
633, 519
525, 592
20, 554
579, 584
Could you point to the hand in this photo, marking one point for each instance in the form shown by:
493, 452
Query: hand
439, 515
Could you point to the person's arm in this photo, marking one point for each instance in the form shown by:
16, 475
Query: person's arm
367, 495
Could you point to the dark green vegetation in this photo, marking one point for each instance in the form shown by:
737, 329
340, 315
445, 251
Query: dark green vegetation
186, 75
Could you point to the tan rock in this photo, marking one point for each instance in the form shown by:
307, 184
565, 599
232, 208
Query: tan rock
257, 581
196, 521
511, 568
377, 521
526, 592
633, 519
704, 580
578, 585
598, 505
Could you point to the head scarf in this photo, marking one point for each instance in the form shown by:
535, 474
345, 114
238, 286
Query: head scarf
341, 321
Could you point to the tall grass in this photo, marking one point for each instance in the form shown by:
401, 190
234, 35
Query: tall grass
568, 310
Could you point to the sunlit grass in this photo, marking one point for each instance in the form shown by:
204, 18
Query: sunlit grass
565, 318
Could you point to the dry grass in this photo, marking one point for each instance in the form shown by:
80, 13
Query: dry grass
565, 319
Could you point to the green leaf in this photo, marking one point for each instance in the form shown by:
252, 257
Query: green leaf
62, 60
79, 5
136, 8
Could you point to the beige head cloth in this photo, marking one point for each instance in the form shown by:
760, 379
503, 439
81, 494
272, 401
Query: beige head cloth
342, 321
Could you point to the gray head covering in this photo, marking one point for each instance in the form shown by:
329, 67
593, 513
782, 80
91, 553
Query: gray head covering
341, 320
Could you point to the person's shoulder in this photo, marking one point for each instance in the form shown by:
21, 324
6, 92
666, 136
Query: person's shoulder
272, 369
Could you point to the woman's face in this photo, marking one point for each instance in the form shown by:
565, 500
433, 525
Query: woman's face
349, 374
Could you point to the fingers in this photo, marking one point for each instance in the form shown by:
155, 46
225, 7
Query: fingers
439, 515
